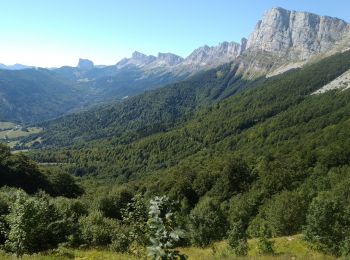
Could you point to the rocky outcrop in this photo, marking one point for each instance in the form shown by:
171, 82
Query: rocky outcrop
296, 35
282, 40
85, 64
167, 59
342, 82
137, 59
212, 56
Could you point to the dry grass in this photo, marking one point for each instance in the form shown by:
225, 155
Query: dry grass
292, 247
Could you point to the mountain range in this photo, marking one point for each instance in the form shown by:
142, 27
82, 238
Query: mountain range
282, 40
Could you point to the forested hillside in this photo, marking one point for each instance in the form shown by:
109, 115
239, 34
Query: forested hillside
35, 95
276, 99
233, 165
17, 170
32, 95
146, 114
222, 166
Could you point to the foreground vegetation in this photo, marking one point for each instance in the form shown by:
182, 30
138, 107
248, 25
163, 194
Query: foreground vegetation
285, 248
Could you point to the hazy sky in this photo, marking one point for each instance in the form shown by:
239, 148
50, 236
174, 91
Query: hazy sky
57, 32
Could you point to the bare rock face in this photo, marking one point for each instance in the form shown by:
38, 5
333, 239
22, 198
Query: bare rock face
149, 61
85, 64
216, 55
296, 35
282, 40
168, 59
137, 59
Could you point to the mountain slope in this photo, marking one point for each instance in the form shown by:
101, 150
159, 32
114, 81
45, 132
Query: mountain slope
152, 112
252, 122
33, 95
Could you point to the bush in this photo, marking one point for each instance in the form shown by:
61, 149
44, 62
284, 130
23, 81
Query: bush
284, 214
327, 223
345, 248
207, 222
237, 239
96, 230
135, 217
63, 184
71, 210
121, 240
265, 246
34, 225
112, 205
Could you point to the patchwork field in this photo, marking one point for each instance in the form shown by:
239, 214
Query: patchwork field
11, 133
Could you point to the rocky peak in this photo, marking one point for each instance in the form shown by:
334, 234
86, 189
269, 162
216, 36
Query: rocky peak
137, 59
298, 35
85, 64
209, 56
243, 44
169, 59
142, 58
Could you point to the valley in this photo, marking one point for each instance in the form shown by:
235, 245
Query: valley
237, 151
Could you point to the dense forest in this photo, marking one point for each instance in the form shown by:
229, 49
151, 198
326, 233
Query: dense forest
143, 115
236, 160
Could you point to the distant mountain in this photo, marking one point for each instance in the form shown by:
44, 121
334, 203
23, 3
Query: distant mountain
15, 67
85, 64
213, 56
33, 95
146, 62
281, 41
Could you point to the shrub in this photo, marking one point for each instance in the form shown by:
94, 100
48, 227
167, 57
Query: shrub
135, 216
34, 225
96, 230
237, 239
112, 205
284, 214
121, 240
327, 223
207, 222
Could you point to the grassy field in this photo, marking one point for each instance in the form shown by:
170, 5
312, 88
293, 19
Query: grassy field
292, 247
19, 132
7, 125
11, 132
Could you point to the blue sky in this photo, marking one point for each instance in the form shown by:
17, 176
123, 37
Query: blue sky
57, 32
